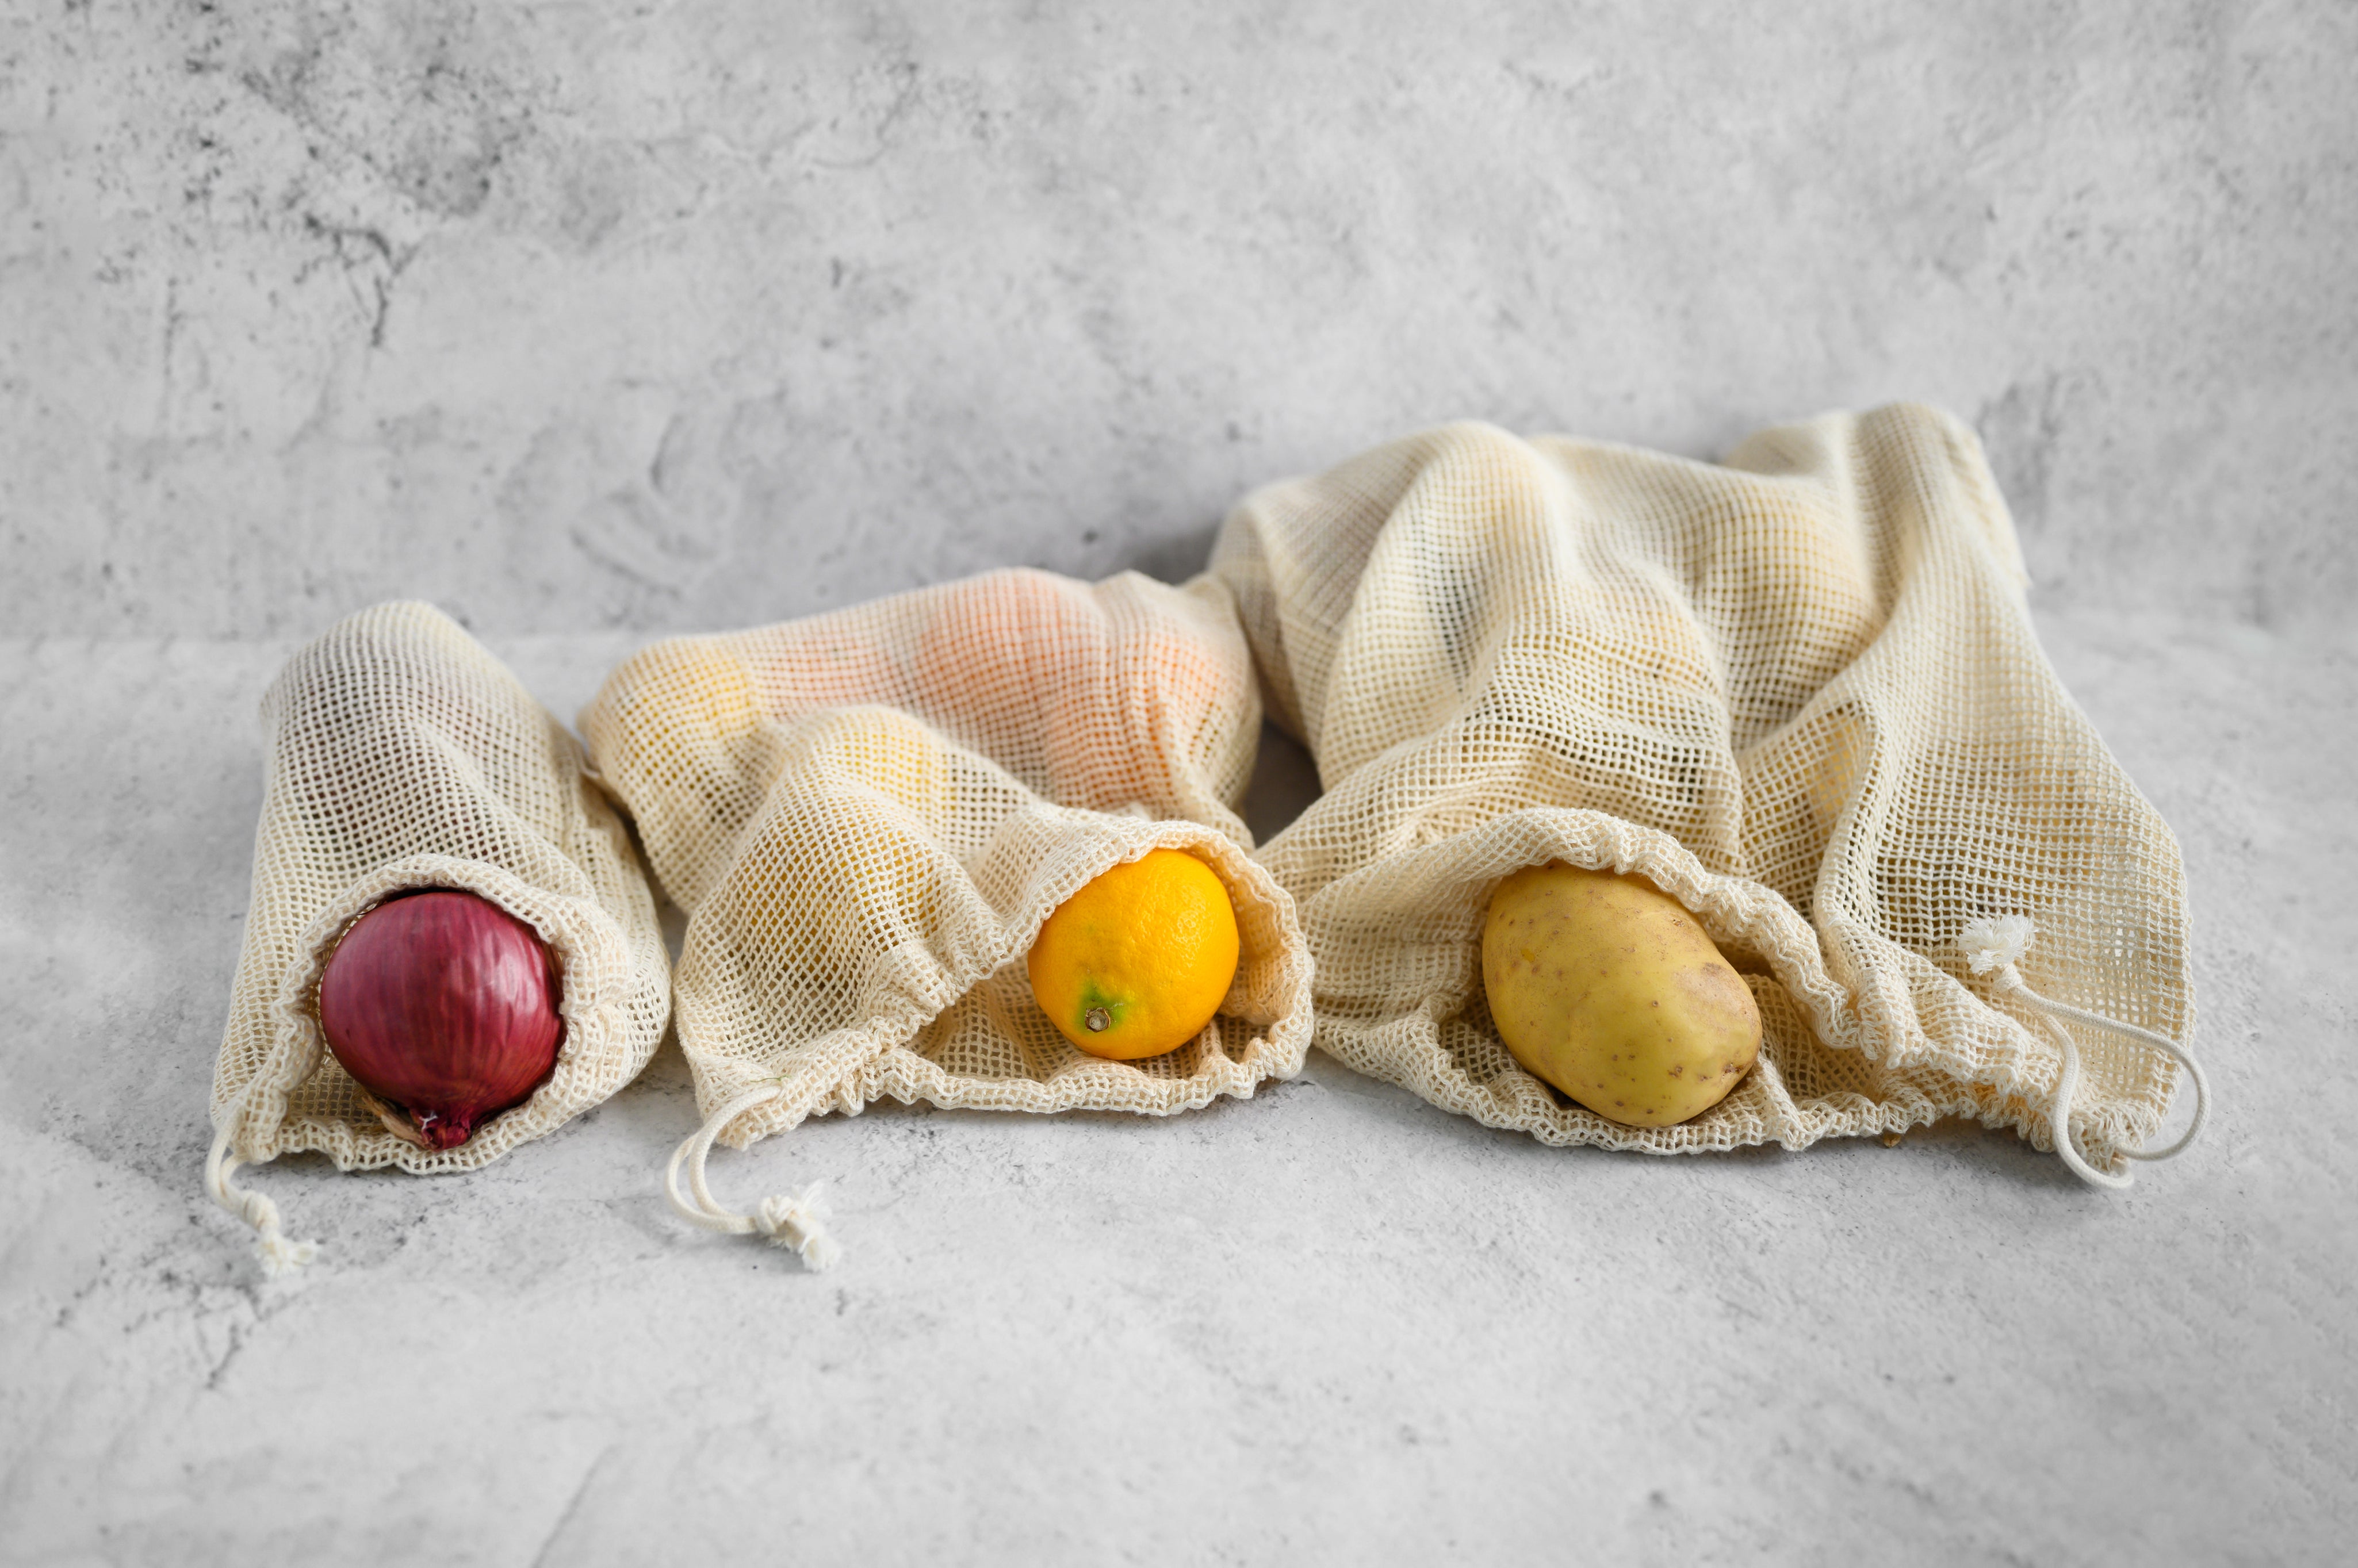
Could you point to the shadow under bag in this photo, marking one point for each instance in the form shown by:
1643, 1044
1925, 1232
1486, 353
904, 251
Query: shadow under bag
1801, 693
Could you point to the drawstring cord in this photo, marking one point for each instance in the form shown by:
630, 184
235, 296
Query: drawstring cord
279, 1256
797, 1223
1993, 945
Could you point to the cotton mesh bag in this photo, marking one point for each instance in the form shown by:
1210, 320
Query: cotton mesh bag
403, 755
1798, 691
868, 816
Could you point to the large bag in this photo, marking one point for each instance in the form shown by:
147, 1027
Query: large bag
403, 755
1799, 692
868, 815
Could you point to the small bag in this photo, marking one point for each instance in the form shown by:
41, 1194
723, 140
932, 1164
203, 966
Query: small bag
868, 815
403, 755
1799, 692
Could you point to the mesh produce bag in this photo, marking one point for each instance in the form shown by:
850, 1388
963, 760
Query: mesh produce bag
403, 755
1799, 692
868, 815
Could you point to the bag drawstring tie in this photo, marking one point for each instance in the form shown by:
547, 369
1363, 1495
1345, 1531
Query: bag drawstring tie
796, 1223
1994, 944
279, 1256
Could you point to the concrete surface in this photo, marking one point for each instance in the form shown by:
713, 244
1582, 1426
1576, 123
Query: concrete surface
569, 316
593, 324
1330, 1325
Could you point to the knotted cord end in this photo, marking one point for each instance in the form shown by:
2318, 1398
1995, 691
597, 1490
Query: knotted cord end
799, 1223
279, 1255
1995, 942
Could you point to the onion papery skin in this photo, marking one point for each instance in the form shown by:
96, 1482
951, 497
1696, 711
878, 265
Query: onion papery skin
445, 1005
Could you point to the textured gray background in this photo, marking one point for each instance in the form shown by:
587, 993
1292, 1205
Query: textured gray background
589, 322
570, 316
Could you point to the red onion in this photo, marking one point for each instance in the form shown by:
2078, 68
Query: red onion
444, 1004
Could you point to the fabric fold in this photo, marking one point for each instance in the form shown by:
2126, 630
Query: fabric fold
1799, 690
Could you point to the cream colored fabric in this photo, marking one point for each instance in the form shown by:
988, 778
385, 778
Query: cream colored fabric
868, 815
402, 755
1799, 690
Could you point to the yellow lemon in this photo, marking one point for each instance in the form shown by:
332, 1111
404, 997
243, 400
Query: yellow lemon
1137, 962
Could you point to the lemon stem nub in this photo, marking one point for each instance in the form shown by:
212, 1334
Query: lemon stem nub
1098, 1021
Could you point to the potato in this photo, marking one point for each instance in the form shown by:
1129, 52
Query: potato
1607, 988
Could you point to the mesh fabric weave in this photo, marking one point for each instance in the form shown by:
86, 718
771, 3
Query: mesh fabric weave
402, 755
867, 817
1799, 690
